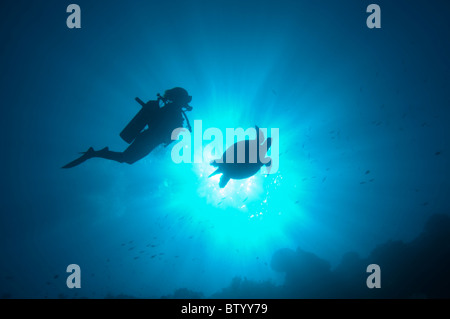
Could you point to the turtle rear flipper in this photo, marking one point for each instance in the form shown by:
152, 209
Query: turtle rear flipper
224, 180
217, 171
214, 163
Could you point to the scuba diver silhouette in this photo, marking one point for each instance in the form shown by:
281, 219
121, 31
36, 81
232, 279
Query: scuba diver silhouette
161, 121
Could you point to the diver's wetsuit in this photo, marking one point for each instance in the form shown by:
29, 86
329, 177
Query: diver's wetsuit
166, 119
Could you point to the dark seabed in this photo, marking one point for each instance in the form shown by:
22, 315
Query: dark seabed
363, 117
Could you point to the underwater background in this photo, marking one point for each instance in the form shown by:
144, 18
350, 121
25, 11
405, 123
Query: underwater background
363, 150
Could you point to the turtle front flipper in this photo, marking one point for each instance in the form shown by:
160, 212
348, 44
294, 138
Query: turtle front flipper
268, 164
217, 171
224, 180
259, 135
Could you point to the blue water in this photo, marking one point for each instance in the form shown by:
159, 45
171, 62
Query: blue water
362, 114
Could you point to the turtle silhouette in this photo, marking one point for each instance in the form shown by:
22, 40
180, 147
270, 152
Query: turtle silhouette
237, 164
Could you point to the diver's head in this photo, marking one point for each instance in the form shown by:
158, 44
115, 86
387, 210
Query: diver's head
178, 96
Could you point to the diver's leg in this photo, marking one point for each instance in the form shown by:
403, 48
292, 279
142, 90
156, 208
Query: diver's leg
146, 142
138, 149
90, 153
141, 147
110, 155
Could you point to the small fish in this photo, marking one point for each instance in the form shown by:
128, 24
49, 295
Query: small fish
362, 183
437, 153
137, 257
55, 276
425, 204
153, 256
367, 172
131, 248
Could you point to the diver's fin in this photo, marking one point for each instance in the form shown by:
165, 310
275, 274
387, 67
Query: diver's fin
217, 171
223, 181
86, 155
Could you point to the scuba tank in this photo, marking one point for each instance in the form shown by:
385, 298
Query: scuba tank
140, 120
147, 114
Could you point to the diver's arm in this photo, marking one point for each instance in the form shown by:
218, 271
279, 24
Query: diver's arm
187, 122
